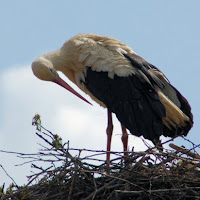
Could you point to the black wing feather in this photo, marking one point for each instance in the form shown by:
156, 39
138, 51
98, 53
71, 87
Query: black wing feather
144, 67
134, 102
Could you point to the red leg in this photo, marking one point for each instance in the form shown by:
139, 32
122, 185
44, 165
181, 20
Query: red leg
124, 139
109, 131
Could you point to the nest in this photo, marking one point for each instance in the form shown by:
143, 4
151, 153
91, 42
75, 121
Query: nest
72, 174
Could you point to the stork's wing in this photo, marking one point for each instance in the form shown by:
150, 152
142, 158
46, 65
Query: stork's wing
135, 103
144, 101
179, 119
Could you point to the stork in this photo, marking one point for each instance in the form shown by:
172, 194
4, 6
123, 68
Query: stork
115, 77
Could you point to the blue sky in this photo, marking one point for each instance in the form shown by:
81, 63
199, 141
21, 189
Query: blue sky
165, 33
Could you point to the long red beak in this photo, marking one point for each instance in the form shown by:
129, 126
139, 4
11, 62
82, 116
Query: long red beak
62, 83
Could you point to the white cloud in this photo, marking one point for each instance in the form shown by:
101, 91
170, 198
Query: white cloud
23, 95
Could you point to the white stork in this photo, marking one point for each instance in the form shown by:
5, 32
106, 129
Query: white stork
114, 76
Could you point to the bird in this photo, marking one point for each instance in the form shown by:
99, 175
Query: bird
114, 76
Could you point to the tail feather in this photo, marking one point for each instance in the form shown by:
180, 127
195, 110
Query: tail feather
178, 121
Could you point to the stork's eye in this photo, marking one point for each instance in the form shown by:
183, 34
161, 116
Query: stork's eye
53, 72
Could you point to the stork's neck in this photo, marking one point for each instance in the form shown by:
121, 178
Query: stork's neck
58, 59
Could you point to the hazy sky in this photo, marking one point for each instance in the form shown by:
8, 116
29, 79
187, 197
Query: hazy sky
166, 33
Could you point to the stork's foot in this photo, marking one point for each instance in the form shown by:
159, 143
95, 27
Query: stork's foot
158, 145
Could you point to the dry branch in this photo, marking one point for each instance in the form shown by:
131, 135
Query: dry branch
185, 151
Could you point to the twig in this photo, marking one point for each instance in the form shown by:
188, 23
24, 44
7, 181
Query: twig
95, 187
184, 151
9, 176
99, 190
158, 190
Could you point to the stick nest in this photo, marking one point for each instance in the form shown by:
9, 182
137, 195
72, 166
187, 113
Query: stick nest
68, 173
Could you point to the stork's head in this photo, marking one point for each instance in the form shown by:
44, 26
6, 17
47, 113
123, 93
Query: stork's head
44, 70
